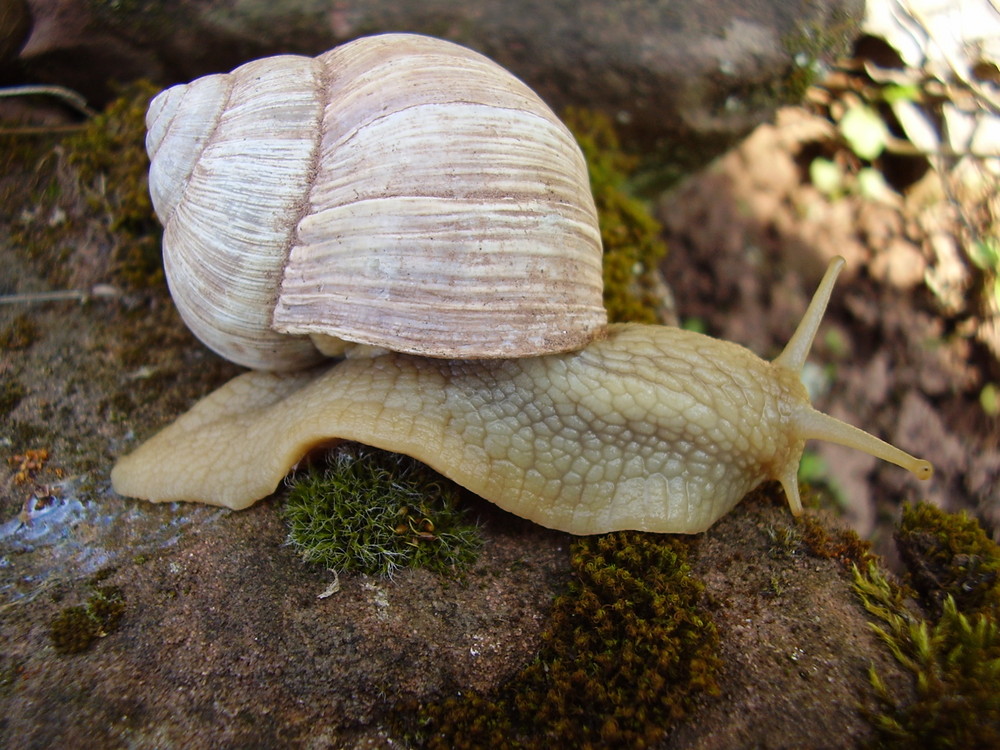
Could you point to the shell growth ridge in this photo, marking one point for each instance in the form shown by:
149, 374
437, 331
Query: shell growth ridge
398, 191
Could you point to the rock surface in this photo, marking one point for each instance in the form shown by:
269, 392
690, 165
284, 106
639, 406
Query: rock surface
708, 73
223, 639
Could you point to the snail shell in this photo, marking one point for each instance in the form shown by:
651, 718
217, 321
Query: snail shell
398, 191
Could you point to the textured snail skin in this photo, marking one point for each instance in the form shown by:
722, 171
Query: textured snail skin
652, 428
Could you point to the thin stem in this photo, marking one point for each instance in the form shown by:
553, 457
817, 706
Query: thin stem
70, 97
78, 295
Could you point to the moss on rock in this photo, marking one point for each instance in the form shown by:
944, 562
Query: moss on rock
374, 512
842, 545
630, 235
627, 649
94, 177
951, 647
949, 554
74, 629
109, 155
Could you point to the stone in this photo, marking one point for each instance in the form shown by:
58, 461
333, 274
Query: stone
666, 69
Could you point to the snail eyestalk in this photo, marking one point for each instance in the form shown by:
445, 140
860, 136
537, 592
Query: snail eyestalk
797, 349
815, 425
808, 423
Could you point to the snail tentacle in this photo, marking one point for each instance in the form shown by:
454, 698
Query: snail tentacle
793, 356
811, 424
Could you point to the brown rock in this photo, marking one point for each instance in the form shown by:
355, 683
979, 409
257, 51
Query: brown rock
899, 264
225, 641
15, 24
705, 72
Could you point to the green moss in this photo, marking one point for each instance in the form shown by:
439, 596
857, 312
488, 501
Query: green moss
375, 512
11, 393
949, 554
19, 334
631, 236
842, 545
75, 628
952, 655
783, 541
955, 663
95, 177
626, 650
109, 156
811, 46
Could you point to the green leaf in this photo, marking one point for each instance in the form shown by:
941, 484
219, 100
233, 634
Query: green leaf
812, 468
865, 131
871, 184
989, 399
909, 92
985, 254
826, 176
697, 325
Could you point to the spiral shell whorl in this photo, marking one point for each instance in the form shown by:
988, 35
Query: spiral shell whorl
237, 151
189, 114
399, 191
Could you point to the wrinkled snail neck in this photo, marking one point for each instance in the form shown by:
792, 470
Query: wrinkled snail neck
810, 424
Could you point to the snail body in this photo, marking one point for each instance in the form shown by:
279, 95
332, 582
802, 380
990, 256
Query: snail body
410, 196
651, 428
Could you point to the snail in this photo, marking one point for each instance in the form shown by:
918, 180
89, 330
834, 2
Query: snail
631, 427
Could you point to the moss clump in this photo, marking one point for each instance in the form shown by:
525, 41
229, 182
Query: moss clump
953, 655
94, 182
631, 236
955, 663
626, 650
811, 46
375, 512
783, 541
19, 334
75, 628
109, 155
842, 545
949, 554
